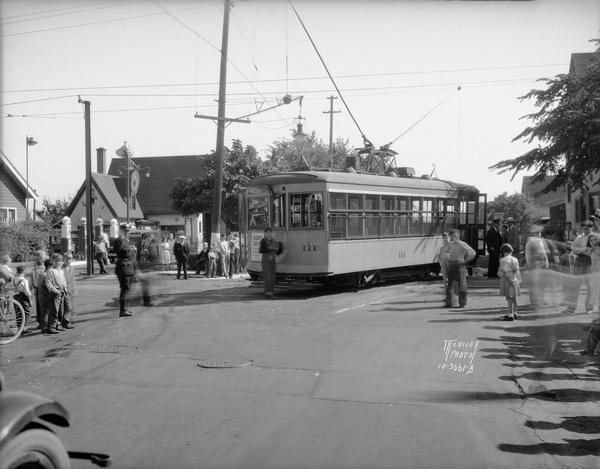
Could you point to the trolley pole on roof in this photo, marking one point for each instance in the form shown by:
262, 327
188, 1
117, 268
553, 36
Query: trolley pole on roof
331, 112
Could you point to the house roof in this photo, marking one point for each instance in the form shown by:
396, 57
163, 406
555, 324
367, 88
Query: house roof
16, 176
154, 191
106, 187
580, 61
535, 190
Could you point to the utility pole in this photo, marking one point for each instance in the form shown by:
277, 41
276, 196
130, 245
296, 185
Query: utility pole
88, 188
216, 215
331, 112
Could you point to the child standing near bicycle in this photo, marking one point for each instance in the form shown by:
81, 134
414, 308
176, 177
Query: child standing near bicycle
23, 295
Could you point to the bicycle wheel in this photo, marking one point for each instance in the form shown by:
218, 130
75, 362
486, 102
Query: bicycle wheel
12, 320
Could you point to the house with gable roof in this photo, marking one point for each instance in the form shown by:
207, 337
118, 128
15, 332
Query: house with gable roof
150, 201
14, 192
155, 190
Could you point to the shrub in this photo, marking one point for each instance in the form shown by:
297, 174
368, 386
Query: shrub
21, 239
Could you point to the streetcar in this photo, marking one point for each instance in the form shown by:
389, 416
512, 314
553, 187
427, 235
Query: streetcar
343, 226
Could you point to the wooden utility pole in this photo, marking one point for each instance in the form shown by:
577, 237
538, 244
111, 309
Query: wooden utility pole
216, 215
88, 188
331, 112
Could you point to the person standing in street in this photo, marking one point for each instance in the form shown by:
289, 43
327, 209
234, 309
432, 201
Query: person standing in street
493, 240
510, 280
38, 270
441, 257
181, 251
69, 299
234, 255
270, 248
203, 260
513, 237
100, 253
459, 255
23, 296
582, 250
57, 288
224, 253
43, 296
536, 258
125, 267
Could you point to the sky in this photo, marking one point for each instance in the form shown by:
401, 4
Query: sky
442, 79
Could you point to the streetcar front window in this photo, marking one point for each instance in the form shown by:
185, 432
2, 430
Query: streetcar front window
258, 212
279, 211
306, 210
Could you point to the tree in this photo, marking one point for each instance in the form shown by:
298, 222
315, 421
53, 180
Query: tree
519, 206
53, 212
567, 130
195, 195
286, 153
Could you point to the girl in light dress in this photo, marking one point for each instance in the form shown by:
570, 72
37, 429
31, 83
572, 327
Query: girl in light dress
510, 280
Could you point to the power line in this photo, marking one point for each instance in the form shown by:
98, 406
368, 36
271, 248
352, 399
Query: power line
44, 11
112, 5
81, 25
275, 80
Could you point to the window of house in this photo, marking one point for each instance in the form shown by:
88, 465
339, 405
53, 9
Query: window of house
8, 215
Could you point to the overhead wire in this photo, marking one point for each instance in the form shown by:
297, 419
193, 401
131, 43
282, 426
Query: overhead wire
272, 80
44, 11
81, 25
112, 5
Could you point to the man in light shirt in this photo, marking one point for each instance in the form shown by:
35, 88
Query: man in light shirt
582, 249
536, 256
224, 253
459, 255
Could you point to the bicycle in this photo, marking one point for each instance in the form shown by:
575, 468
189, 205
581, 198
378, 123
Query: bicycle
12, 319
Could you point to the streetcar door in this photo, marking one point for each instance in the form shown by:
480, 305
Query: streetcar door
481, 224
468, 214
243, 227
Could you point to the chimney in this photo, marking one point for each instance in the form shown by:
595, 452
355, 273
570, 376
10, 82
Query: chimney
101, 160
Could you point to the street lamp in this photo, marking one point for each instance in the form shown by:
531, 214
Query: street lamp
29, 141
133, 173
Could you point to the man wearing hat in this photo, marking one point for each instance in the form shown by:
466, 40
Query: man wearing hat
493, 239
582, 249
125, 266
513, 237
181, 250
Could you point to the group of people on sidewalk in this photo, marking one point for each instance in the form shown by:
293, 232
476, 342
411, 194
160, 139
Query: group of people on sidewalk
52, 291
561, 263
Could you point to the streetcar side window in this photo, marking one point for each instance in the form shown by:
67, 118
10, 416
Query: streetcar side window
401, 228
415, 217
258, 212
337, 201
306, 210
428, 226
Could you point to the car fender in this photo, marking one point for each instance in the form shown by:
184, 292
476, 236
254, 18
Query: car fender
18, 409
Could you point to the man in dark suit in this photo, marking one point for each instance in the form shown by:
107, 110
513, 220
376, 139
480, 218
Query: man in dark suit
181, 250
493, 239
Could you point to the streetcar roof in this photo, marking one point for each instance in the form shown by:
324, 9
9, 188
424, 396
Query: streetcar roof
300, 177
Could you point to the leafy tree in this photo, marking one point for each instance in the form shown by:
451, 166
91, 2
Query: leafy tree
519, 206
195, 195
53, 211
566, 128
286, 153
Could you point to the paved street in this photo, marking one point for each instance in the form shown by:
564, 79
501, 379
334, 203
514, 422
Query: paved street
338, 379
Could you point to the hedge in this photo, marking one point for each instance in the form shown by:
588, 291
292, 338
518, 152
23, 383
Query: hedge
21, 239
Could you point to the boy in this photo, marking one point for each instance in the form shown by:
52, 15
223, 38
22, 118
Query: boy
23, 295
69, 298
57, 287
42, 295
